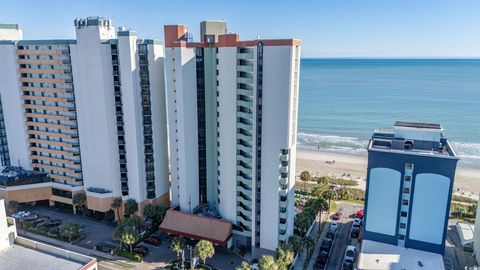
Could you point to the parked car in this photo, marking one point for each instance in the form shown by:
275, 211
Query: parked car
347, 266
52, 223
141, 250
333, 226
30, 218
350, 254
338, 215
330, 233
359, 214
21, 214
355, 232
41, 221
152, 240
105, 247
321, 260
326, 245
357, 222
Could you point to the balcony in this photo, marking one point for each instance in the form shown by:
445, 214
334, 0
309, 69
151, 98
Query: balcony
245, 80
245, 55
283, 169
284, 157
245, 68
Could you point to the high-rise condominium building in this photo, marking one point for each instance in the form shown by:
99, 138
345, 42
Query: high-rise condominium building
411, 172
232, 108
89, 112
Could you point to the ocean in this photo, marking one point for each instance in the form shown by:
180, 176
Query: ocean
343, 100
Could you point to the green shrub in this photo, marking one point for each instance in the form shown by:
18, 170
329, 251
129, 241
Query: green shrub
129, 255
342, 182
109, 215
458, 198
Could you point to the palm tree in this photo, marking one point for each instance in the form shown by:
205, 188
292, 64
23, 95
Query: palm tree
305, 177
116, 204
79, 199
302, 222
130, 207
284, 258
294, 242
177, 245
204, 249
308, 243
267, 262
329, 195
244, 266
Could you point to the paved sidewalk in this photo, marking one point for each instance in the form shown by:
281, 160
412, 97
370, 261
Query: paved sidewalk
319, 239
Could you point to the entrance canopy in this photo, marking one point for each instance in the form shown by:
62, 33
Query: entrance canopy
196, 227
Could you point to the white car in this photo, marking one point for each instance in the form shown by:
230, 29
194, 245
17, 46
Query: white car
357, 222
21, 214
350, 254
334, 225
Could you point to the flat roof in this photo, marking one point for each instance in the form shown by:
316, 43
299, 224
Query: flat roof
418, 125
376, 255
20, 257
196, 227
465, 232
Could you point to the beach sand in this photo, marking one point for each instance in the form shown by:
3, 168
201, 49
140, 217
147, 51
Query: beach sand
467, 179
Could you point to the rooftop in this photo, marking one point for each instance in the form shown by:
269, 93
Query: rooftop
412, 138
20, 257
418, 125
196, 227
15, 176
376, 255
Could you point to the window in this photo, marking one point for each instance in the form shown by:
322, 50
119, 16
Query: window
403, 225
408, 178
409, 166
406, 190
403, 214
401, 237
404, 202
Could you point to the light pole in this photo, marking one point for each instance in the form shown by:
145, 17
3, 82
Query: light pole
183, 259
191, 263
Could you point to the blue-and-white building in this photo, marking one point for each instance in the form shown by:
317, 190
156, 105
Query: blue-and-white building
411, 171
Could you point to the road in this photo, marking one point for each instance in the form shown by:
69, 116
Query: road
342, 239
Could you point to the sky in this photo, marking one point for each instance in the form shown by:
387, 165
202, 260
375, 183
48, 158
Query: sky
327, 28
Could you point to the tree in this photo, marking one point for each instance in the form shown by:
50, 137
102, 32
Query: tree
244, 266
79, 199
129, 236
177, 244
128, 230
69, 230
155, 212
318, 190
130, 207
308, 243
204, 249
116, 204
342, 193
305, 177
284, 258
316, 205
13, 206
294, 242
323, 180
329, 194
302, 223
267, 262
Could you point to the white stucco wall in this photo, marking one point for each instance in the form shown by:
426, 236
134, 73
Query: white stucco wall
12, 104
227, 59
383, 196
94, 96
429, 206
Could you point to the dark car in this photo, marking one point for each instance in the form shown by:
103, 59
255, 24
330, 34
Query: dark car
326, 245
355, 232
347, 266
141, 250
105, 247
321, 260
152, 240
330, 234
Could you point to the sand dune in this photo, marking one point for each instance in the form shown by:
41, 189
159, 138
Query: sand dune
467, 179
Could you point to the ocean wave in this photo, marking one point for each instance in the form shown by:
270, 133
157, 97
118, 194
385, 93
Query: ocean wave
468, 151
331, 141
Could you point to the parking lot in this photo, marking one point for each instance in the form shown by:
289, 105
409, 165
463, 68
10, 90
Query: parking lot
342, 238
95, 231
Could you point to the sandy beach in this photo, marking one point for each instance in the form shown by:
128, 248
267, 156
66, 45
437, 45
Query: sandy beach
354, 166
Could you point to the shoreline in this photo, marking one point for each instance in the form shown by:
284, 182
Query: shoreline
354, 166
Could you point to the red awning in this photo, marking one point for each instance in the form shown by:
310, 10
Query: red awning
196, 227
